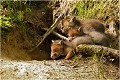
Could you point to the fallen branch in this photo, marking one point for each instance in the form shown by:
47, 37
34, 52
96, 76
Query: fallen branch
99, 50
57, 34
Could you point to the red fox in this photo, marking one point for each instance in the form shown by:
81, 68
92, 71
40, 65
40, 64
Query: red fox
87, 25
73, 32
73, 27
66, 48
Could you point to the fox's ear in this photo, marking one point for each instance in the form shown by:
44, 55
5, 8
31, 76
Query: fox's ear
53, 41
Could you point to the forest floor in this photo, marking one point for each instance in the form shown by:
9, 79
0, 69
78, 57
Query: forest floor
85, 69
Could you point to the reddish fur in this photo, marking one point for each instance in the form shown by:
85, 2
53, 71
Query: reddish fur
73, 32
57, 48
67, 48
91, 27
86, 26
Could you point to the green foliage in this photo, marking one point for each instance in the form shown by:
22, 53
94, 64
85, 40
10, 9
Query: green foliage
4, 21
15, 12
102, 10
6, 26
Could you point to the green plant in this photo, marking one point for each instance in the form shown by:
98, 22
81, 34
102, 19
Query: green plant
101, 10
15, 12
6, 26
99, 63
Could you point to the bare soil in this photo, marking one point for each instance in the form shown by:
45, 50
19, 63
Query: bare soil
85, 69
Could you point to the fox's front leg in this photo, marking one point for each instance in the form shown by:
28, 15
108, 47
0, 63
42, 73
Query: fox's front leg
69, 55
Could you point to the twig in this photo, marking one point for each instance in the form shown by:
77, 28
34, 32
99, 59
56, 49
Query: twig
57, 34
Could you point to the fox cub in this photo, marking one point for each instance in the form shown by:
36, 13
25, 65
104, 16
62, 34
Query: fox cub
67, 48
73, 27
87, 25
